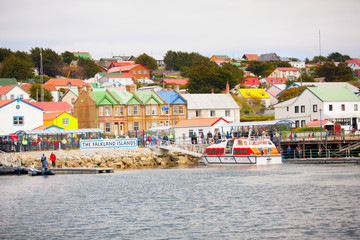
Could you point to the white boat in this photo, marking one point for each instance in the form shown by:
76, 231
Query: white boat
242, 151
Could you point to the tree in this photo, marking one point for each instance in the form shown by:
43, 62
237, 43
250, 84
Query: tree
290, 93
260, 68
51, 60
147, 61
237, 73
337, 57
307, 61
334, 73
4, 53
87, 68
15, 67
306, 77
319, 59
170, 60
68, 57
35, 93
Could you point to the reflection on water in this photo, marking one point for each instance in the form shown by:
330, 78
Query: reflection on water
287, 201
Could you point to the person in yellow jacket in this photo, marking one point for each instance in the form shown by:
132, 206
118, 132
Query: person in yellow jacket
24, 143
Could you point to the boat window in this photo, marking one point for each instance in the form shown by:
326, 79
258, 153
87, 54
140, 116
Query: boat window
235, 151
222, 151
229, 143
240, 151
245, 151
213, 151
208, 151
218, 151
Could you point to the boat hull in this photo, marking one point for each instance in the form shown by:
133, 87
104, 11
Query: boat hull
243, 160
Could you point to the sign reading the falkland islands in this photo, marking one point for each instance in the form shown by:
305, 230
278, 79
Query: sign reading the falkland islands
108, 143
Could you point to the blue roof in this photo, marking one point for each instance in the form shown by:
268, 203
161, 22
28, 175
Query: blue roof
171, 97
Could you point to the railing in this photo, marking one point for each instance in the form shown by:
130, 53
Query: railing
323, 153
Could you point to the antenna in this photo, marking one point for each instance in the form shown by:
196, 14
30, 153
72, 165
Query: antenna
319, 43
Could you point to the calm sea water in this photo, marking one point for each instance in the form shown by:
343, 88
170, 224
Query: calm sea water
288, 202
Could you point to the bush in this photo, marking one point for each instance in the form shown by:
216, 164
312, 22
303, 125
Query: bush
307, 129
256, 118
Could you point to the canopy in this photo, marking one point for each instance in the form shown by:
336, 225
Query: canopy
59, 131
259, 123
160, 128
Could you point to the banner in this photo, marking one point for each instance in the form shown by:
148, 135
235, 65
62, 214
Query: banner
108, 143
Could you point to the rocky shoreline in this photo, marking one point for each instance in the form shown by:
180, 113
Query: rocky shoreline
117, 158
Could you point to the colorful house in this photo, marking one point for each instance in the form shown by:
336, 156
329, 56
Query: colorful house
251, 82
250, 57
253, 95
176, 106
85, 55
289, 73
139, 71
66, 83
13, 92
220, 57
61, 119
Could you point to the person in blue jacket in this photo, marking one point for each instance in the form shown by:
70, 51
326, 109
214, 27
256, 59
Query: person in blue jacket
44, 163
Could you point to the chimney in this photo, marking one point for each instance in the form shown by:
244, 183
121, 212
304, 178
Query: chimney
177, 88
212, 91
88, 89
168, 87
130, 88
79, 90
227, 88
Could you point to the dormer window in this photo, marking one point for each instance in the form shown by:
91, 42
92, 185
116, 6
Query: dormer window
248, 94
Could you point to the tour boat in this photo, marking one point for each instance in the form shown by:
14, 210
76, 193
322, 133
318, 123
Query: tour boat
242, 151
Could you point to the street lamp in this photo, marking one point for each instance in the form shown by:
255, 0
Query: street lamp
320, 125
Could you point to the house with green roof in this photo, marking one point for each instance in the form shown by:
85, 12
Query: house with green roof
85, 55
336, 104
120, 112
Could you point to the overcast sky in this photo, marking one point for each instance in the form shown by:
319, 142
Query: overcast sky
232, 27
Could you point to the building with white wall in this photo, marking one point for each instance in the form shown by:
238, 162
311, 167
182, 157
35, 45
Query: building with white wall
13, 92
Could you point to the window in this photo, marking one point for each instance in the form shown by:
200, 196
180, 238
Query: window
303, 123
107, 127
72, 100
101, 125
296, 109
12, 96
342, 107
249, 94
116, 111
136, 111
330, 107
154, 123
263, 94
287, 109
148, 125
297, 123
130, 126
181, 109
356, 107
134, 72
147, 110
139, 72
136, 126
107, 111
314, 108
18, 121
21, 96
130, 112
197, 113
227, 113
101, 111
145, 72
121, 111
153, 109
302, 108
175, 110
212, 113
65, 121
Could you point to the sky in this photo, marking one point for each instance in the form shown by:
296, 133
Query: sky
210, 27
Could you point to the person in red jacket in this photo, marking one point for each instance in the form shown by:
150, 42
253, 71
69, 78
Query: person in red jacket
53, 159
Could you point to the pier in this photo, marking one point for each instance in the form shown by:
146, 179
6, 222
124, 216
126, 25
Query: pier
82, 170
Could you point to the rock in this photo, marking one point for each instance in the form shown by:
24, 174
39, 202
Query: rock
183, 161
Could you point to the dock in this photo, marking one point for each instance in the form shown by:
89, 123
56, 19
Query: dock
322, 160
82, 170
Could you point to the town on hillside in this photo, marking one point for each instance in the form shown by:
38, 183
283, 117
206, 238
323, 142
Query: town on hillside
124, 96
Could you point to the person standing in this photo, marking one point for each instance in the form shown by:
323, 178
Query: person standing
53, 159
44, 163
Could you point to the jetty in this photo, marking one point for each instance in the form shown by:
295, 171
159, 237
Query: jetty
5, 170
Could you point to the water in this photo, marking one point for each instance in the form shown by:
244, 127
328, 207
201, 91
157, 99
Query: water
288, 202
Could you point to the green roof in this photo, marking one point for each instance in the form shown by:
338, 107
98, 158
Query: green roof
149, 97
96, 85
222, 56
333, 94
103, 98
8, 81
108, 59
110, 74
82, 54
236, 64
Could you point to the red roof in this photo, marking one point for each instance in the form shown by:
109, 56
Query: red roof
44, 127
53, 106
220, 60
199, 122
316, 123
121, 63
4, 102
51, 115
50, 87
252, 57
250, 81
176, 81
274, 80
6, 89
287, 69
64, 82
126, 68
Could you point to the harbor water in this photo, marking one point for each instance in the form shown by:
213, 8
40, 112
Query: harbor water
287, 202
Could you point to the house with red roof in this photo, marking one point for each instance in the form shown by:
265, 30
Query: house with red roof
48, 107
12, 92
289, 73
140, 72
50, 87
175, 81
66, 83
17, 114
268, 81
250, 57
188, 127
251, 82
121, 64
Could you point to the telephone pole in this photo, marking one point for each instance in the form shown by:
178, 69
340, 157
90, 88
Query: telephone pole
41, 76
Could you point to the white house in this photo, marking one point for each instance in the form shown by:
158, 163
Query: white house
17, 114
113, 77
12, 92
297, 64
212, 105
355, 66
185, 128
337, 104
289, 73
